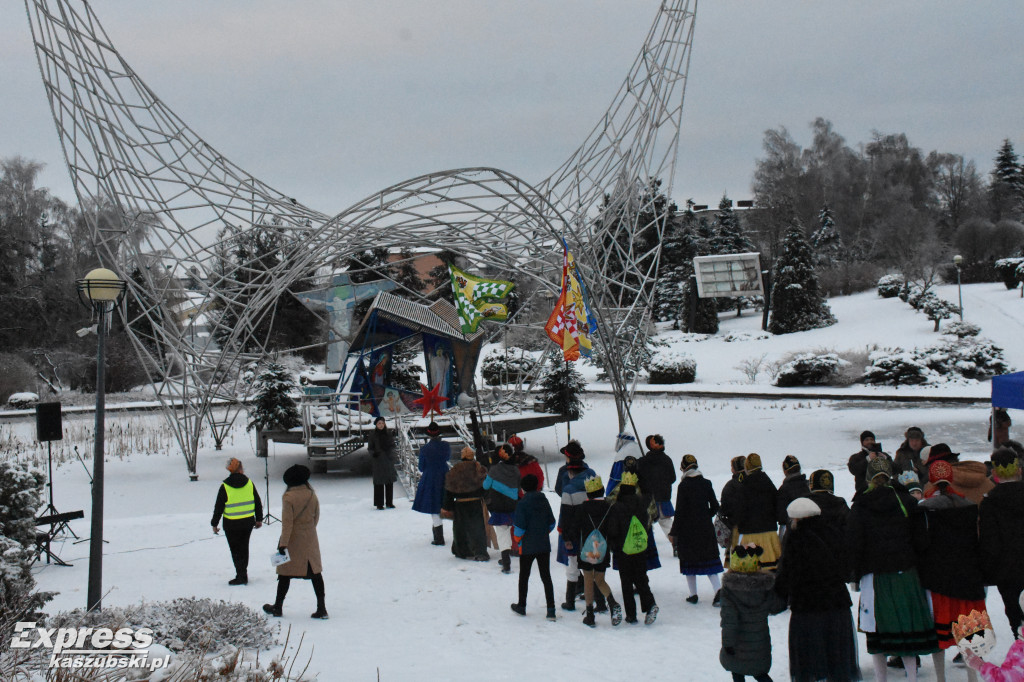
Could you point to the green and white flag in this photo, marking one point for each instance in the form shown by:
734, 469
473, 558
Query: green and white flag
476, 298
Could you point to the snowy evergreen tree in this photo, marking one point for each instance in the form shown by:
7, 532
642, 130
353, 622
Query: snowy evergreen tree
706, 319
796, 303
826, 242
728, 232
562, 387
669, 294
21, 497
1006, 191
274, 408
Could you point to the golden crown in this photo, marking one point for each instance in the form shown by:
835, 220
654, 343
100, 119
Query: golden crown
593, 484
628, 478
970, 624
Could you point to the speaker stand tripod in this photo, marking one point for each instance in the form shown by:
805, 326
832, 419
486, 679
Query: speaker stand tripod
51, 510
268, 518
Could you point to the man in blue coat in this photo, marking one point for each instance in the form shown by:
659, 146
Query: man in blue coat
433, 464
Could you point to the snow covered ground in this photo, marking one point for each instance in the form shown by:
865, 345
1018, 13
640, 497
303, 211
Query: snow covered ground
402, 609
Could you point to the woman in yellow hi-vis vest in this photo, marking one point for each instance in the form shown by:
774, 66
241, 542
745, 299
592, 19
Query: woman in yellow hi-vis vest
240, 505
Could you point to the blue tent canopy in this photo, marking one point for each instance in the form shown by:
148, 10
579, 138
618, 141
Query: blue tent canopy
1008, 391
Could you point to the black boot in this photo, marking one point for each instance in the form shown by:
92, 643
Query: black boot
506, 561
273, 609
240, 579
616, 609
600, 604
438, 536
580, 592
570, 596
588, 619
321, 611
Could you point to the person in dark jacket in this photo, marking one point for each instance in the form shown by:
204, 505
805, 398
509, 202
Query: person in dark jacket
569, 485
1001, 534
908, 455
858, 462
693, 532
748, 598
812, 578
949, 558
242, 509
593, 515
657, 473
502, 486
381, 445
526, 462
793, 486
433, 465
731, 499
834, 510
757, 520
463, 503
632, 568
534, 522
879, 537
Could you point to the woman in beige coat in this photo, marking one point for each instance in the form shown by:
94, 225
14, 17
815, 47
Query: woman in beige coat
300, 513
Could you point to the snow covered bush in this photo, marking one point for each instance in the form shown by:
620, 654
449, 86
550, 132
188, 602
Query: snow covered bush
910, 290
938, 309
897, 367
510, 366
562, 388
919, 298
961, 329
274, 408
809, 369
1010, 271
16, 375
745, 336
672, 368
22, 400
971, 358
889, 286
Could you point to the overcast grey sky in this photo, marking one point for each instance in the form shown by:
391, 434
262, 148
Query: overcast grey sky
332, 100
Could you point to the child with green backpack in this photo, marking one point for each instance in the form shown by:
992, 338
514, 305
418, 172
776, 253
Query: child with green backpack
630, 530
589, 528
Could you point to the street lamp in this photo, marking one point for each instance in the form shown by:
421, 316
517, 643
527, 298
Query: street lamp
957, 260
100, 290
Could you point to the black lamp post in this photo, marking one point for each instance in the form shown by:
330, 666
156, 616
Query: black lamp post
100, 290
957, 260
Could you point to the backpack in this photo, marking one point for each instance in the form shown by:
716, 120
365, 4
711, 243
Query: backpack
636, 537
595, 546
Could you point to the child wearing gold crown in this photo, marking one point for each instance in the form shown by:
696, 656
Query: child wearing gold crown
974, 636
748, 597
589, 529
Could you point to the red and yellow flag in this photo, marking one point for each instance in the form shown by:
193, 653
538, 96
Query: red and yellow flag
571, 323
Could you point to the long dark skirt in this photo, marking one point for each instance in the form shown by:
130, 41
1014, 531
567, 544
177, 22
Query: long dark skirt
469, 538
822, 646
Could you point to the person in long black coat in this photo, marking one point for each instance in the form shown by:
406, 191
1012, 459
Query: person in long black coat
833, 508
1001, 534
381, 445
463, 503
731, 498
656, 473
756, 521
693, 532
793, 486
812, 578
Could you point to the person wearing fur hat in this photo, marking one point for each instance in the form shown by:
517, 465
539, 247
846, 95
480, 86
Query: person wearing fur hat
240, 505
463, 504
794, 485
526, 462
949, 557
908, 455
748, 598
534, 522
300, 514
969, 477
632, 567
1001, 534
693, 531
858, 462
502, 486
757, 520
570, 486
588, 528
834, 509
732, 497
381, 445
893, 610
812, 578
656, 473
433, 466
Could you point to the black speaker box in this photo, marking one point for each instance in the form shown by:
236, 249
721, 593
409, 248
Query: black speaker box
48, 422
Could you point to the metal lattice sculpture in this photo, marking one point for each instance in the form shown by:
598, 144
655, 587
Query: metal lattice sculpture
165, 203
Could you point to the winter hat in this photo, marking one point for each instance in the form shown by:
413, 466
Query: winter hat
753, 462
655, 442
745, 559
467, 453
802, 508
503, 452
629, 463
689, 462
574, 452
939, 451
940, 471
866, 434
822, 480
738, 463
594, 486
380, 419
879, 466
914, 432
529, 484
234, 466
516, 442
1004, 463
432, 429
909, 480
790, 465
296, 474
628, 479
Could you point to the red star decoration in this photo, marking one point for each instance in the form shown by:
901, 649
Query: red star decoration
431, 399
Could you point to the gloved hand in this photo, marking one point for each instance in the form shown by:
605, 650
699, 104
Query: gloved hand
216, 530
